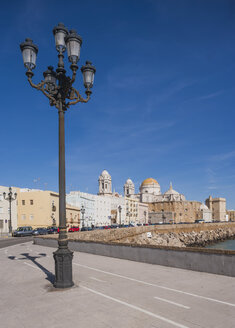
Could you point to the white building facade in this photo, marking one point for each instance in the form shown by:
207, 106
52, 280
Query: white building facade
98, 208
79, 199
206, 213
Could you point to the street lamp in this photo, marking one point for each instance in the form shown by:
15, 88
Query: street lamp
129, 215
120, 210
83, 212
145, 217
58, 88
10, 198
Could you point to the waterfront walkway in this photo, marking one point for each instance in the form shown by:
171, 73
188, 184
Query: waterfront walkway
109, 293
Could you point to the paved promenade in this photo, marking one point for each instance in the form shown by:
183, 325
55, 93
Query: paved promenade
109, 293
8, 241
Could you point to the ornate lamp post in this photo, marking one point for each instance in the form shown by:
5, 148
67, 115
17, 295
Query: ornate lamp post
83, 212
58, 88
129, 215
145, 217
120, 211
10, 198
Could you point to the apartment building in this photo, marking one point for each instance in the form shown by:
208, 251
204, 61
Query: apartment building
38, 208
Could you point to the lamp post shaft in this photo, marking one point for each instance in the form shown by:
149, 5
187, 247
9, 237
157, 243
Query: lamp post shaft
63, 256
83, 212
10, 225
62, 206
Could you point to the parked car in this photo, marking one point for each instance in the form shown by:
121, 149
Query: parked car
52, 230
23, 231
114, 226
199, 221
87, 229
40, 231
84, 229
73, 229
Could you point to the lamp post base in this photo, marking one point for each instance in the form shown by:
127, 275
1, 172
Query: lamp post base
63, 268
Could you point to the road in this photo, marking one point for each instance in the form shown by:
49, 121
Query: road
109, 293
5, 242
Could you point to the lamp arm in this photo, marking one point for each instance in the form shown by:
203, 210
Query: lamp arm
73, 77
41, 86
74, 69
75, 95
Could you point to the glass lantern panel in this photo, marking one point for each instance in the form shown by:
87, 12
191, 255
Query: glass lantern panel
53, 79
50, 78
29, 58
73, 48
88, 77
59, 40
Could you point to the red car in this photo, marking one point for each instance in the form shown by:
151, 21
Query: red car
73, 229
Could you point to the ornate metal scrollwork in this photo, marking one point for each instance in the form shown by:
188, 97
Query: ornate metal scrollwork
57, 93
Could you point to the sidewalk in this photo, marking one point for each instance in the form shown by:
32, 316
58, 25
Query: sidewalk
109, 292
4, 236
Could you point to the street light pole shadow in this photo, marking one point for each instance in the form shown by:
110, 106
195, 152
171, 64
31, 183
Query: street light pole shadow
49, 275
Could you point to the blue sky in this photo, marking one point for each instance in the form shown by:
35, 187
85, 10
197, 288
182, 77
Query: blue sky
162, 104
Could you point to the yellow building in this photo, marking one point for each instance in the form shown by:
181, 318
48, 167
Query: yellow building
38, 208
231, 215
136, 212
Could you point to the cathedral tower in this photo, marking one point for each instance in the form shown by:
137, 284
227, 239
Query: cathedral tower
105, 183
129, 188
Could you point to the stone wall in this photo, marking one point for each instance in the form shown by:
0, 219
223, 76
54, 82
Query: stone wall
184, 211
198, 259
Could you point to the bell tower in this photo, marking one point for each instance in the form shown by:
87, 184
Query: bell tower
129, 188
105, 183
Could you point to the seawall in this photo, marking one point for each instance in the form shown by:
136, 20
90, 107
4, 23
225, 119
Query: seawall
220, 262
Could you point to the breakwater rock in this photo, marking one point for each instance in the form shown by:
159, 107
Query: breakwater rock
182, 239
175, 235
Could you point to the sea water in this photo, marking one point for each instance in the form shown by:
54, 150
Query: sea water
228, 244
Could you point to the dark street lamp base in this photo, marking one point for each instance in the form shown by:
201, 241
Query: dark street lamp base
63, 268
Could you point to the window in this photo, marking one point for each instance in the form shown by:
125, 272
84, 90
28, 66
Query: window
31, 217
23, 202
31, 201
106, 186
1, 209
23, 217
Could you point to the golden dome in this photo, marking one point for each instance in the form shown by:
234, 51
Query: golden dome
149, 181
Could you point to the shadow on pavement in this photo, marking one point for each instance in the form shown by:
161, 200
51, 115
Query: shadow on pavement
49, 275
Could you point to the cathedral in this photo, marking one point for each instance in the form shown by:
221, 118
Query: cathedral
150, 192
170, 206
